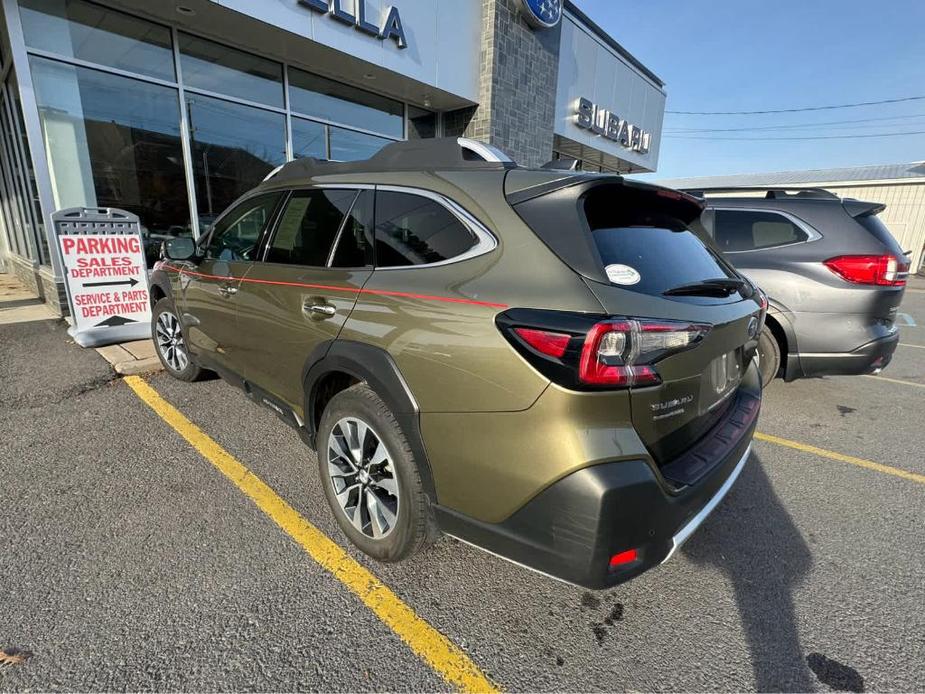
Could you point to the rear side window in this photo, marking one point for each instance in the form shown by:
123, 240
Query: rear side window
415, 230
662, 250
308, 227
750, 230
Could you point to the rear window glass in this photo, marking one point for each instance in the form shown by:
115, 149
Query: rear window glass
662, 250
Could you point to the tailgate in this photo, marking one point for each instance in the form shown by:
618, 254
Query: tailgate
699, 384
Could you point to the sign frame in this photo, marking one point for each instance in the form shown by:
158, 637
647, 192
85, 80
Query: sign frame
115, 242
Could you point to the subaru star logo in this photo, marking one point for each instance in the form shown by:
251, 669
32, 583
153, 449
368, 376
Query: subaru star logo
542, 14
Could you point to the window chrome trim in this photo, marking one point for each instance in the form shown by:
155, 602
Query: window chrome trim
329, 262
811, 233
485, 240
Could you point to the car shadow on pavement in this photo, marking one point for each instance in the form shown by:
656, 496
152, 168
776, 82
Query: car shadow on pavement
753, 540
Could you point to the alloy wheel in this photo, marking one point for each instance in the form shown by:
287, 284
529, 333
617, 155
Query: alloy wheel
170, 344
363, 476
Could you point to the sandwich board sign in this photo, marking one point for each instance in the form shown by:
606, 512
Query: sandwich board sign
106, 275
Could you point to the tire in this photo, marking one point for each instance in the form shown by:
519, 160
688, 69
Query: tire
387, 526
768, 357
170, 343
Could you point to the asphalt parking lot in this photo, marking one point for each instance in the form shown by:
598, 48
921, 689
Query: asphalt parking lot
131, 562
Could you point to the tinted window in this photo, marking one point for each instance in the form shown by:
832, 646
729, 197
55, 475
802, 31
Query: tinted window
413, 230
355, 245
234, 147
663, 250
309, 139
308, 227
747, 230
340, 103
347, 145
114, 142
237, 233
78, 29
217, 68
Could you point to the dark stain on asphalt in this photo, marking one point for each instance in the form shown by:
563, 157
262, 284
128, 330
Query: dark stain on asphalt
840, 677
616, 614
844, 409
590, 600
560, 661
600, 632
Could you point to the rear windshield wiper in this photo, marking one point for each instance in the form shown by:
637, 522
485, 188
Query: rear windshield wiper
719, 286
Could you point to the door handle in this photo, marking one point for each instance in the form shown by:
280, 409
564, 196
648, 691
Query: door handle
227, 290
320, 310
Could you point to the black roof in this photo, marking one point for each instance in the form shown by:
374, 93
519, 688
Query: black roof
407, 155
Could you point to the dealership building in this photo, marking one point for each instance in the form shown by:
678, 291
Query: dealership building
172, 109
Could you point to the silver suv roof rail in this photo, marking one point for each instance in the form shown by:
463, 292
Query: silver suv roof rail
771, 192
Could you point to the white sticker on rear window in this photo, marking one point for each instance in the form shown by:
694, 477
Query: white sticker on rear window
622, 274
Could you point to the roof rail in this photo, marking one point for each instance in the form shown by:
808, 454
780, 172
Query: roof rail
408, 155
561, 165
771, 192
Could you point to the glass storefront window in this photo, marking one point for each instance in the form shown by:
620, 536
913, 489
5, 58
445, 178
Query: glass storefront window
309, 139
112, 141
77, 29
349, 145
422, 124
223, 70
35, 223
234, 147
322, 98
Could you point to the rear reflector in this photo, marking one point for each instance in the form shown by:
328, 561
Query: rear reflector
878, 270
544, 341
627, 557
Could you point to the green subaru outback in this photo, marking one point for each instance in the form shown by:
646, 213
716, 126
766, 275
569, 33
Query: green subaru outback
550, 365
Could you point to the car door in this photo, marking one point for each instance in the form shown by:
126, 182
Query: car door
209, 295
301, 292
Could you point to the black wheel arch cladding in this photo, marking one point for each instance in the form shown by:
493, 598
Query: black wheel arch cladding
378, 369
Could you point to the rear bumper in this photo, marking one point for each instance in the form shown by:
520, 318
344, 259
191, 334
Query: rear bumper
571, 529
868, 358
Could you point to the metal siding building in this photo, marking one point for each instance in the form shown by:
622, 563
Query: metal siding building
171, 110
901, 187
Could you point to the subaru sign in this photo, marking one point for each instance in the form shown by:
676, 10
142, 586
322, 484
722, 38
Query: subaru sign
542, 14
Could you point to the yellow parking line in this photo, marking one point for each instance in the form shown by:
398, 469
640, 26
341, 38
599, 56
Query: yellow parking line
832, 455
428, 643
896, 380
907, 344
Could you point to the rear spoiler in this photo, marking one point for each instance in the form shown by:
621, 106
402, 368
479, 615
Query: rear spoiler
858, 208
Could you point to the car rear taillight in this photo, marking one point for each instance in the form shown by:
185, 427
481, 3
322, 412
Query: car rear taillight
620, 352
879, 270
549, 343
582, 351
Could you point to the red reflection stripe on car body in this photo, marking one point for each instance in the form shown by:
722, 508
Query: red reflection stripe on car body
377, 292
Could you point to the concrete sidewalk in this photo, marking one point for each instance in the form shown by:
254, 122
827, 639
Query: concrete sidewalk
132, 358
18, 305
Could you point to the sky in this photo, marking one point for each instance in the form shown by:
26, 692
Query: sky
758, 55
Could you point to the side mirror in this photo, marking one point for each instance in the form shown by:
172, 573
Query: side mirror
179, 248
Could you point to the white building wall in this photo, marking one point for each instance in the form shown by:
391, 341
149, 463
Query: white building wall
443, 37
